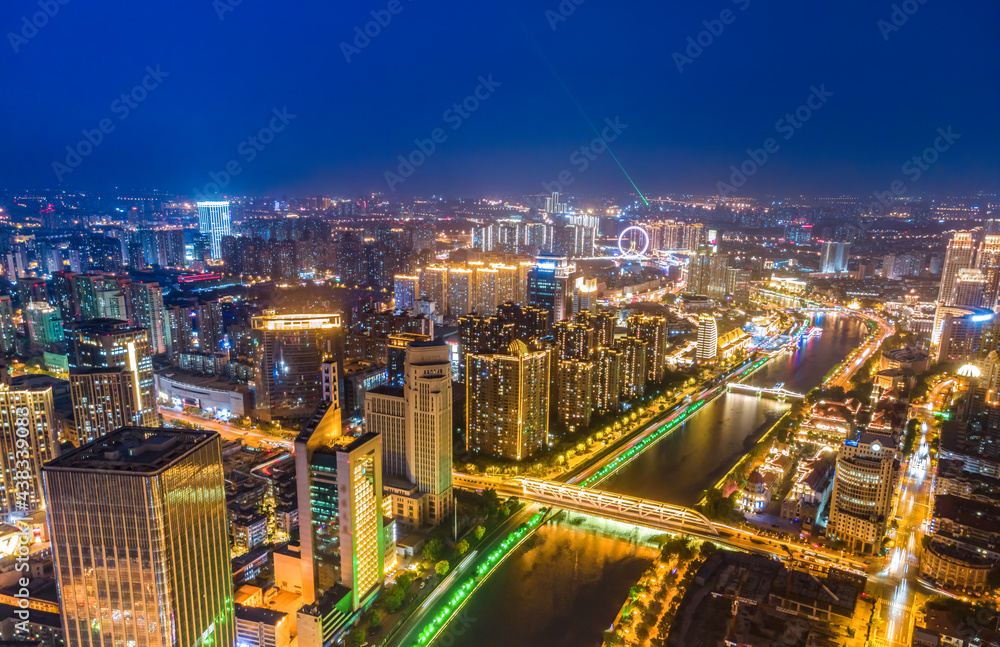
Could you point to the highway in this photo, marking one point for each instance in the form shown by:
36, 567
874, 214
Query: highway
230, 432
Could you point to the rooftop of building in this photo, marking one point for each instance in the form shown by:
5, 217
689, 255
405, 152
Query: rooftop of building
133, 450
967, 512
387, 389
906, 354
258, 614
212, 382
99, 370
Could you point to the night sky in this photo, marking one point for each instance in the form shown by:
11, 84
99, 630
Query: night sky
893, 86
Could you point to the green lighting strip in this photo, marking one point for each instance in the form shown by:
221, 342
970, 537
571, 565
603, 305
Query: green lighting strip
459, 596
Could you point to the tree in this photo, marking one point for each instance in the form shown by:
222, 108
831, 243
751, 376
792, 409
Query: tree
462, 547
393, 598
432, 549
479, 532
357, 637
374, 618
911, 436
442, 568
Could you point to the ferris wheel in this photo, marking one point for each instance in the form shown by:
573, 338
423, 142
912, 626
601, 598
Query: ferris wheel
633, 242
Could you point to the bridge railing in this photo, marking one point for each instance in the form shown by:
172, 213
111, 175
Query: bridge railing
661, 515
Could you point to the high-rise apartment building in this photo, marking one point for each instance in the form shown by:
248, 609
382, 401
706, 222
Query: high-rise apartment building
969, 289
288, 352
107, 343
178, 329
460, 291
8, 340
406, 290
574, 392
434, 286
214, 221
609, 368
507, 402
708, 338
148, 313
139, 539
104, 399
208, 317
339, 483
861, 504
28, 415
960, 256
634, 353
45, 326
415, 423
653, 330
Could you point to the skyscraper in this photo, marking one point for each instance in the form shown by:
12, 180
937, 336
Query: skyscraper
288, 352
339, 483
208, 316
45, 327
861, 504
834, 257
214, 222
507, 402
147, 312
406, 290
708, 338
28, 416
652, 329
104, 399
417, 448
961, 250
548, 285
8, 341
633, 351
108, 343
988, 260
149, 573
969, 289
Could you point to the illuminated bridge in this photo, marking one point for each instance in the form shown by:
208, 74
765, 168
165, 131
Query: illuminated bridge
660, 516
778, 391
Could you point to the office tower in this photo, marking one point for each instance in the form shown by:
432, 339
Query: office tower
141, 549
208, 317
339, 483
988, 260
105, 343
634, 353
288, 352
574, 392
708, 338
45, 328
460, 291
28, 416
548, 285
961, 250
609, 368
415, 423
434, 286
8, 340
147, 312
653, 330
406, 290
507, 402
214, 222
962, 332
584, 295
834, 257
574, 340
104, 399
396, 352
970, 289
861, 504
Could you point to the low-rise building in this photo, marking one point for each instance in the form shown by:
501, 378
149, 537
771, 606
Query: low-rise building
181, 388
256, 627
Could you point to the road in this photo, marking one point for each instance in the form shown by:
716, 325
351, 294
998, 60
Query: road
896, 586
228, 431
844, 377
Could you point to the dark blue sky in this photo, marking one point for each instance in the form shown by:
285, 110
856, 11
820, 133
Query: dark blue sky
352, 120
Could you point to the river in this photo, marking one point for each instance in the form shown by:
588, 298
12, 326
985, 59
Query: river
565, 585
